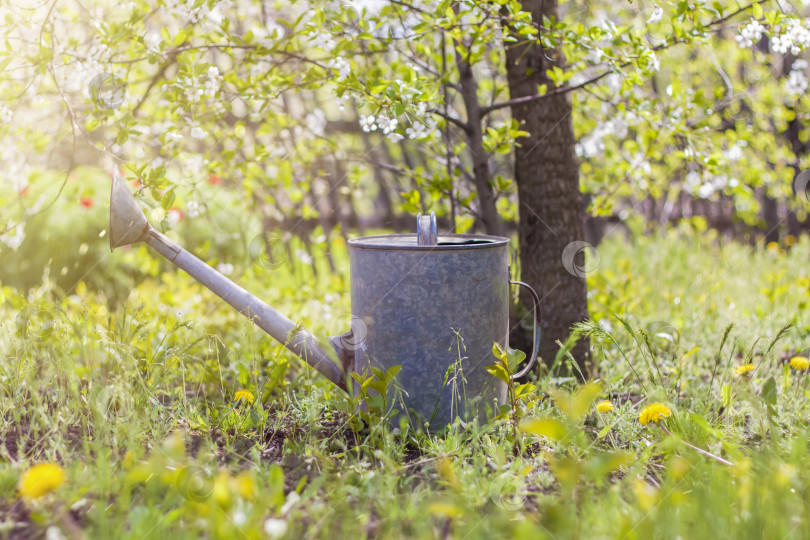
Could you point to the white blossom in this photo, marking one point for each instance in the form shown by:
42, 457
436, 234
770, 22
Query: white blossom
216, 16
796, 83
395, 137
371, 7
367, 123
750, 34
593, 144
198, 133
212, 82
595, 55
275, 528
387, 125
6, 115
734, 153
614, 83
152, 41
174, 216
657, 13
53, 533
316, 122
193, 209
303, 256
640, 166
705, 190
340, 65
417, 131
225, 269
322, 40
655, 64
14, 236
186, 10
794, 38
193, 94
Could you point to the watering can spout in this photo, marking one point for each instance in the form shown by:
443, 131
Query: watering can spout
128, 225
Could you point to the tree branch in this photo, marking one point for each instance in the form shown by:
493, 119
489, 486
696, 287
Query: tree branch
565, 89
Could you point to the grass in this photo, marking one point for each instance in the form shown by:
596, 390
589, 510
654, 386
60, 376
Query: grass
135, 400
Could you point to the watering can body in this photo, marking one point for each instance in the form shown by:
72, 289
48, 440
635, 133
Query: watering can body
435, 311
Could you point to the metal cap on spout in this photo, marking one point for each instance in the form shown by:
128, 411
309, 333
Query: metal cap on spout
128, 225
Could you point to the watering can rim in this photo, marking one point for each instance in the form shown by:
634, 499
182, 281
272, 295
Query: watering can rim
447, 241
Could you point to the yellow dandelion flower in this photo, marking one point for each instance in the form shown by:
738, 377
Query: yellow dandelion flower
744, 369
604, 406
772, 246
654, 413
244, 396
40, 480
790, 240
800, 363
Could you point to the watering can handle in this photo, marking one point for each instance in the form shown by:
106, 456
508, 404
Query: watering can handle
533, 357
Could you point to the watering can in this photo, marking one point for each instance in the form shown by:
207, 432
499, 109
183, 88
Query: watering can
433, 304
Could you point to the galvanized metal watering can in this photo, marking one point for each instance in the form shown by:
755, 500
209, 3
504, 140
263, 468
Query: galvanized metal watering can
431, 303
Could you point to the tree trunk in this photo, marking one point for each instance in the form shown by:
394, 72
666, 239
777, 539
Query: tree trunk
487, 211
552, 213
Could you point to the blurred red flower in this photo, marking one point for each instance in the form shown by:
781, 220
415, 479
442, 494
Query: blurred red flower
87, 202
175, 215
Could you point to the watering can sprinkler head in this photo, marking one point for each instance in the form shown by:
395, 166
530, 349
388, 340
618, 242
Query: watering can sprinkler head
128, 224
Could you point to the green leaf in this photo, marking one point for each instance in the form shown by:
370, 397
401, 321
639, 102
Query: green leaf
514, 358
704, 424
167, 200
547, 427
726, 395
575, 405
769, 393
500, 372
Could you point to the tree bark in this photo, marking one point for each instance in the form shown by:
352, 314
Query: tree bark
552, 213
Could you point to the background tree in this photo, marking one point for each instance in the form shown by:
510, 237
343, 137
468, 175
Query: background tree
319, 117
